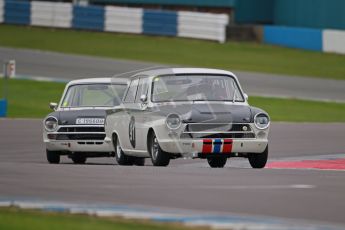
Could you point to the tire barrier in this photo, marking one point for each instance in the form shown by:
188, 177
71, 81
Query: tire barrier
115, 19
51, 14
16, 12
88, 17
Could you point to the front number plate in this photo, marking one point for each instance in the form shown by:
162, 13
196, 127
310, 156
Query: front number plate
90, 121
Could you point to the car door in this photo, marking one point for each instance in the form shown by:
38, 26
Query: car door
128, 134
141, 114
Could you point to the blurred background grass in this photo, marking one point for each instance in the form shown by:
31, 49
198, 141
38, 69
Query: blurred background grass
30, 99
167, 50
16, 219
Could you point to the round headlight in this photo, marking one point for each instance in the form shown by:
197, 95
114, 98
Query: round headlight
173, 121
261, 121
51, 124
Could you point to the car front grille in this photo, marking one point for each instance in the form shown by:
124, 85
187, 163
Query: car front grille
96, 132
86, 129
80, 137
219, 130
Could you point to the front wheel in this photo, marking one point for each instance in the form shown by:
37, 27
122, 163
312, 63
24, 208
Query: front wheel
120, 156
53, 157
217, 162
258, 160
158, 156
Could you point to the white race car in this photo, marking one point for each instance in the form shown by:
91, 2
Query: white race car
187, 112
76, 127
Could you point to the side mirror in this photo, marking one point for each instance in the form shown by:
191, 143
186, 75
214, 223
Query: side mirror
53, 105
143, 98
246, 96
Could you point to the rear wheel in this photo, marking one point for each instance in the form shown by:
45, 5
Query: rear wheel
217, 162
258, 160
78, 158
53, 157
158, 156
120, 156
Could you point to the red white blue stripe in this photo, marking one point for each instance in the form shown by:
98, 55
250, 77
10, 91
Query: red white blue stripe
217, 146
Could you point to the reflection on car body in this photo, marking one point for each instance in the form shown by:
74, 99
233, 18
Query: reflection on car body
187, 112
76, 127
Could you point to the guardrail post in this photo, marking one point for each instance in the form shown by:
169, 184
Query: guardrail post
3, 107
9, 71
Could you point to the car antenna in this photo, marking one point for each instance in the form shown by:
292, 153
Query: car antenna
138, 70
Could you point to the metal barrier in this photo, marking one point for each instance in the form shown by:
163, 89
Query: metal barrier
330, 41
334, 41
302, 38
3, 107
2, 11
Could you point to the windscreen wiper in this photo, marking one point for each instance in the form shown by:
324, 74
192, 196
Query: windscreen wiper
199, 100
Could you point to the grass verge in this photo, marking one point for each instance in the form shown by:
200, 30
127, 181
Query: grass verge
16, 219
30, 99
231, 55
296, 110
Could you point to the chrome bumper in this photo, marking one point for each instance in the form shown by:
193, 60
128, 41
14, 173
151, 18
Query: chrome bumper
193, 147
78, 145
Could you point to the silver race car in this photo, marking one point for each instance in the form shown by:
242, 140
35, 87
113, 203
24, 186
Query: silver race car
76, 127
190, 113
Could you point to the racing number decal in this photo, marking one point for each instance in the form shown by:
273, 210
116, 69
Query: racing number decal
132, 131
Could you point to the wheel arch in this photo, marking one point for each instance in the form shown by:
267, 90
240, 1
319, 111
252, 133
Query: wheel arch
115, 133
148, 136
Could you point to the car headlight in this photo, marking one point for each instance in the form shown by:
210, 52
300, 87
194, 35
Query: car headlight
51, 124
261, 121
173, 121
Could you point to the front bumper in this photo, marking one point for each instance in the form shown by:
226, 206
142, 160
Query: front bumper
78, 145
194, 147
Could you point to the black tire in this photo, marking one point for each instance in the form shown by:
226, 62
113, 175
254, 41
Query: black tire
53, 157
158, 156
78, 158
139, 161
258, 160
120, 156
217, 162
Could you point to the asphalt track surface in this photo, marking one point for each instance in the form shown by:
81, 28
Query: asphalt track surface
303, 194
66, 66
312, 195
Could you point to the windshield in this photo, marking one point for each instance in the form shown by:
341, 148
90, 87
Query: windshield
93, 95
195, 88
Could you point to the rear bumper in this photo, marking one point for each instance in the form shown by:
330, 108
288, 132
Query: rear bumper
78, 146
195, 147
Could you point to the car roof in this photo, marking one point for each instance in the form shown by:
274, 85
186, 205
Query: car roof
123, 81
163, 71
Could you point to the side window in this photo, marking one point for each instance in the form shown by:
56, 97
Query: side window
70, 97
142, 88
130, 96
